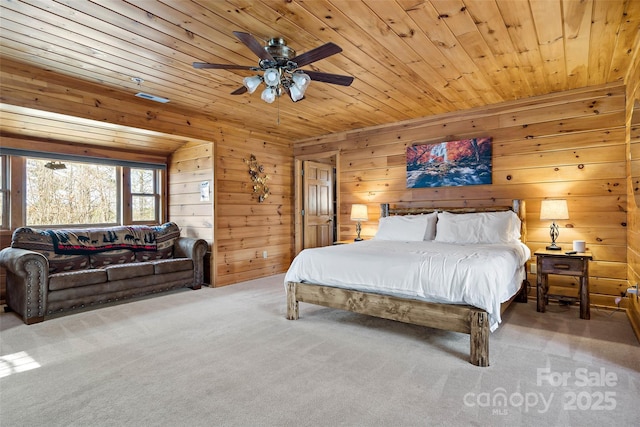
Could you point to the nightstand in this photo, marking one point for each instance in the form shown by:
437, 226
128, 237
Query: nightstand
557, 262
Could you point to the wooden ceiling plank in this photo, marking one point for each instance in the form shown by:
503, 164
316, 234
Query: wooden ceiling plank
457, 19
63, 58
488, 21
577, 30
451, 82
190, 70
517, 18
380, 66
258, 116
300, 22
547, 21
605, 22
397, 33
90, 63
628, 38
63, 67
335, 94
80, 55
80, 133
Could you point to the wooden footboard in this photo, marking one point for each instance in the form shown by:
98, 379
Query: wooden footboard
458, 318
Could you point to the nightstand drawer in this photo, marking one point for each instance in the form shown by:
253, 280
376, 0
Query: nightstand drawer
561, 265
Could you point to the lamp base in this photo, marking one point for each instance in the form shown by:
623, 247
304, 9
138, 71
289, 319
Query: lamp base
554, 247
357, 239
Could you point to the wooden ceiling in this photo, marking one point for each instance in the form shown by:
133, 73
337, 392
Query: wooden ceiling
410, 58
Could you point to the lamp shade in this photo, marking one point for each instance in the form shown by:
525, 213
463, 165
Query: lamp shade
268, 95
554, 209
295, 93
251, 83
359, 213
301, 80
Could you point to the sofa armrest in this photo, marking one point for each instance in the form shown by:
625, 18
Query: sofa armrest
190, 247
27, 282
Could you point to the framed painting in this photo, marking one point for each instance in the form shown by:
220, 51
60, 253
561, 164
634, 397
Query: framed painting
450, 164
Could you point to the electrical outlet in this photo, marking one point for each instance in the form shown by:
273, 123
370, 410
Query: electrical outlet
264, 254
533, 268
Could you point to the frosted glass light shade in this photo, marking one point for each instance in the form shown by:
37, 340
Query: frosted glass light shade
271, 77
268, 95
301, 80
295, 93
554, 209
252, 83
359, 213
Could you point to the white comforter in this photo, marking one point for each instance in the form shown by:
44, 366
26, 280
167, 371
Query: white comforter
483, 276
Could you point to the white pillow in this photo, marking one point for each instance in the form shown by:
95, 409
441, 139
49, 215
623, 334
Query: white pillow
408, 228
481, 227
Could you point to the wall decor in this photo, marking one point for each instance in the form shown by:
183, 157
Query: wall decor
259, 178
450, 164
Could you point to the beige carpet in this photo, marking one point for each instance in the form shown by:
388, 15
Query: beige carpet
228, 357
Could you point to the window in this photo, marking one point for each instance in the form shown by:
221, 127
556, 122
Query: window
78, 191
144, 195
4, 193
71, 193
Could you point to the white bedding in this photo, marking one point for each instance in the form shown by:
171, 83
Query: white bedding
481, 275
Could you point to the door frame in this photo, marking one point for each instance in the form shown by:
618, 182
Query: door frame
298, 229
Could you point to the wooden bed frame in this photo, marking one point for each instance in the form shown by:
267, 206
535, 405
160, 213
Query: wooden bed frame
450, 317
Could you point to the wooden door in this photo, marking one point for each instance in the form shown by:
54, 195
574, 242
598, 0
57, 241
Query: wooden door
318, 204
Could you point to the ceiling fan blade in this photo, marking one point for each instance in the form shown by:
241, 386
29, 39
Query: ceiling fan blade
254, 45
335, 79
221, 66
317, 54
239, 91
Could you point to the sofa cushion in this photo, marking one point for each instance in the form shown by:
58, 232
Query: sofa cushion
129, 271
172, 265
74, 279
166, 235
118, 256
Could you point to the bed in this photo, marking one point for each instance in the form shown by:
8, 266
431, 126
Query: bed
460, 276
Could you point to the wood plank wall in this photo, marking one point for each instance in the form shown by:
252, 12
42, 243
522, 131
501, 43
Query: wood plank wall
244, 227
188, 168
567, 145
633, 185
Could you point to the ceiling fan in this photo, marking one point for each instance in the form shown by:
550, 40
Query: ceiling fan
280, 67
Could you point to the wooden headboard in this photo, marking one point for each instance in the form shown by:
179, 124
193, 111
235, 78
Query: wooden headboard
518, 206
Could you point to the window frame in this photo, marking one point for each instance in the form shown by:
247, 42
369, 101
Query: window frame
156, 194
15, 196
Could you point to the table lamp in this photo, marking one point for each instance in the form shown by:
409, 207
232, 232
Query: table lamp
554, 210
359, 213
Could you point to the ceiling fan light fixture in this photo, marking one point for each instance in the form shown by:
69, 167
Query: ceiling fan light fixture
301, 81
295, 93
280, 65
271, 77
252, 83
268, 95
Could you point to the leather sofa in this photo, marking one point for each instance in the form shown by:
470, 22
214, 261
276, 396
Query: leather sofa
53, 271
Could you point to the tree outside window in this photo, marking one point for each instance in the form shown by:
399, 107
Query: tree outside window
144, 195
71, 193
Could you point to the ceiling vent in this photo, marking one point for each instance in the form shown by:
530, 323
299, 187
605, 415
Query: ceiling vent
152, 97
